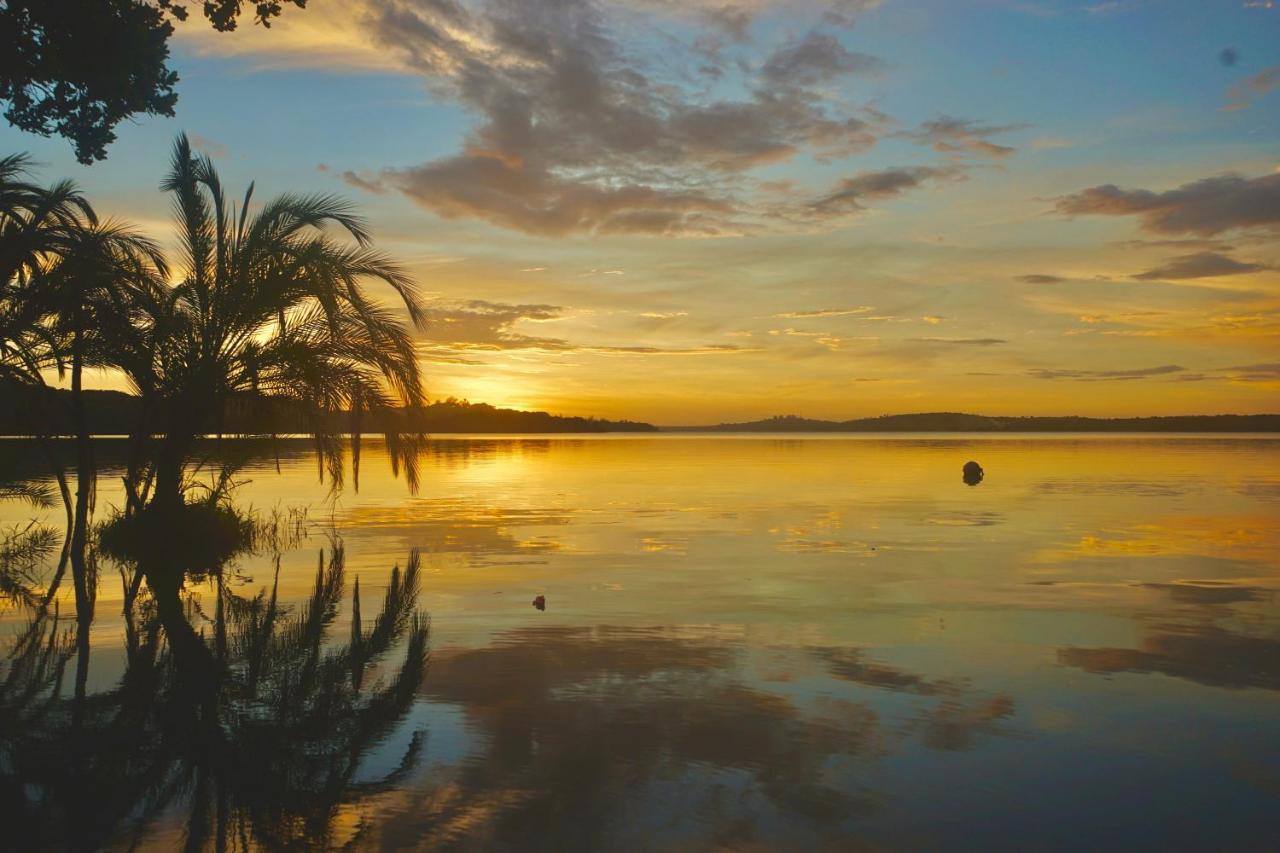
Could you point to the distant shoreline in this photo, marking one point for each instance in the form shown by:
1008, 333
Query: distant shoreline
113, 413
956, 422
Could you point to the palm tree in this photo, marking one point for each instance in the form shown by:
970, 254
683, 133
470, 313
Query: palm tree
87, 292
67, 285
271, 315
35, 224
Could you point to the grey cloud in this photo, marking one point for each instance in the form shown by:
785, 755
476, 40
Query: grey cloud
843, 13
537, 202
1199, 265
948, 135
578, 134
1205, 207
1106, 375
816, 58
849, 193
1040, 278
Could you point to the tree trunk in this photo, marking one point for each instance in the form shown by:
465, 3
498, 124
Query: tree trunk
85, 476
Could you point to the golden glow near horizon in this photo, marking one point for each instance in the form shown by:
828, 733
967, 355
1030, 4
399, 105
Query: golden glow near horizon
672, 213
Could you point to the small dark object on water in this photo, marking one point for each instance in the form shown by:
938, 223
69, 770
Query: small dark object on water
972, 473
540, 602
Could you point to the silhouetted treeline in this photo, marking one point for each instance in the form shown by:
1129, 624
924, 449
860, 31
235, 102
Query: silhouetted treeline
958, 422
25, 410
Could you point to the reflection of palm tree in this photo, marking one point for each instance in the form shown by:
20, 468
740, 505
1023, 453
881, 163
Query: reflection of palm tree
271, 310
258, 740
35, 225
65, 283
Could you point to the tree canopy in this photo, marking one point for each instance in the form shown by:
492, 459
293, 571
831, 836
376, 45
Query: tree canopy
77, 68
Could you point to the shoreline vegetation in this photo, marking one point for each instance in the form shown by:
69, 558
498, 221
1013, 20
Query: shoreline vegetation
115, 412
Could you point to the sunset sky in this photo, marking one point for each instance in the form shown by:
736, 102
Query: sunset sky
690, 211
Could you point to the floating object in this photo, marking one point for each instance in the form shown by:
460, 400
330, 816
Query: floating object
540, 602
972, 473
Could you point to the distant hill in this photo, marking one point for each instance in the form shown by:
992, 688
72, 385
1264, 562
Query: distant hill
958, 422
116, 413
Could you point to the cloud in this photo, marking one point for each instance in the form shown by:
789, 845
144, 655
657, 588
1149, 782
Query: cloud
948, 135
1040, 278
1107, 375
1265, 372
1199, 265
825, 312
850, 193
843, 13
578, 132
1241, 94
214, 149
817, 58
463, 329
525, 198
479, 324
972, 342
1206, 207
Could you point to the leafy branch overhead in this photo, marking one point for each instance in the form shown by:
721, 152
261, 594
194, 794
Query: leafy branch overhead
77, 68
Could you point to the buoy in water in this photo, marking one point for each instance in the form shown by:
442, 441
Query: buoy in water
972, 473
540, 602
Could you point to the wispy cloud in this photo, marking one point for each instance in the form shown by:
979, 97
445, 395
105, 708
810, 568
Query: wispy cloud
1107, 375
825, 312
972, 342
948, 135
1242, 94
850, 194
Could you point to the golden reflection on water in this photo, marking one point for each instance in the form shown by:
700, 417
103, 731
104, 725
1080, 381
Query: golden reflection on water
796, 642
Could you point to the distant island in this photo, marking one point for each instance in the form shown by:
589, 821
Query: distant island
958, 422
116, 413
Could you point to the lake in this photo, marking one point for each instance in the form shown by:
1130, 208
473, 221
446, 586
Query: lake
748, 642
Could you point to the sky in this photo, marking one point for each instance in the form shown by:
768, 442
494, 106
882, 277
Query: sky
694, 211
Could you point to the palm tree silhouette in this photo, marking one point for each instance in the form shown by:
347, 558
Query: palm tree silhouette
271, 314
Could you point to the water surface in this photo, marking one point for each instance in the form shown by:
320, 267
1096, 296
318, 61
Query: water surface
768, 642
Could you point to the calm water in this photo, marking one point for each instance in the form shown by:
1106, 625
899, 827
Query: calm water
776, 643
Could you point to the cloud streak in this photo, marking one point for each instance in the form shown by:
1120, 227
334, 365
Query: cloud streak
1199, 265
1108, 375
1206, 207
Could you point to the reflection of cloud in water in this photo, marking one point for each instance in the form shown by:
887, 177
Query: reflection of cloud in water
444, 526
1206, 654
1211, 592
1236, 538
587, 733
1108, 487
966, 519
850, 664
954, 725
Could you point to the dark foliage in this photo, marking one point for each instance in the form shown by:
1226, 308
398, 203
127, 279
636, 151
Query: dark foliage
77, 68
